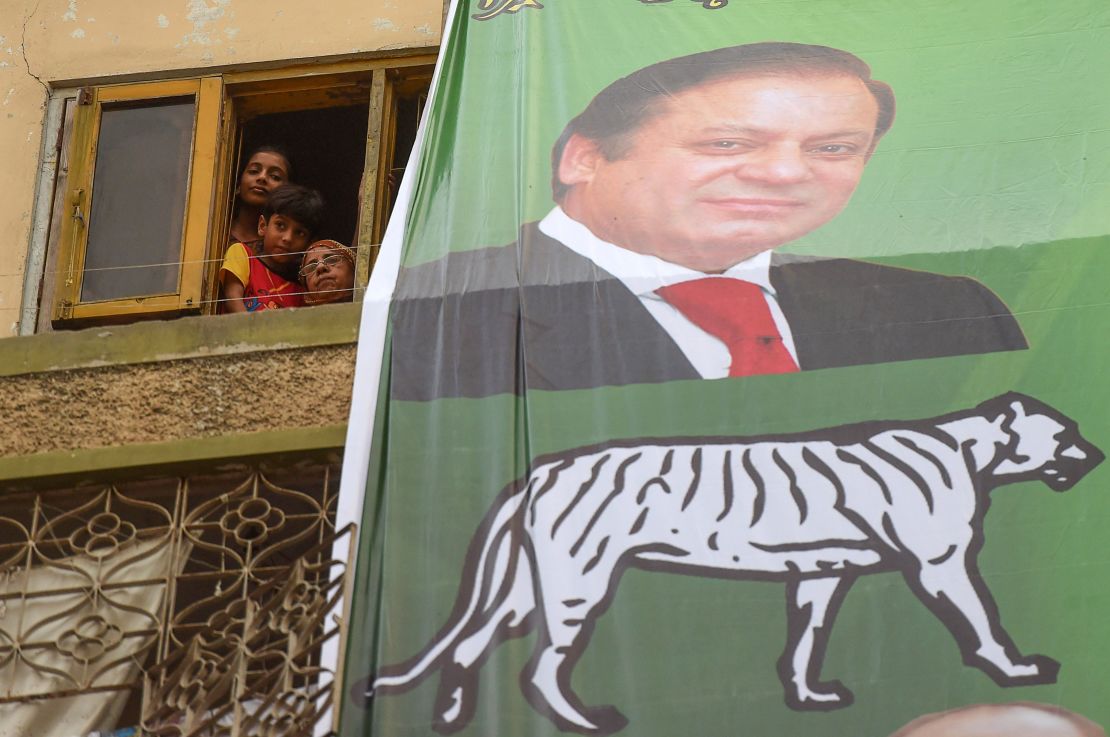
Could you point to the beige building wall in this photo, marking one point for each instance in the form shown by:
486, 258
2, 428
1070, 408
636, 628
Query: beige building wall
45, 43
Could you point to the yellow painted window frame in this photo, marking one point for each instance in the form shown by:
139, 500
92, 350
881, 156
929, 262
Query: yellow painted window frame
207, 91
312, 86
251, 94
388, 86
224, 103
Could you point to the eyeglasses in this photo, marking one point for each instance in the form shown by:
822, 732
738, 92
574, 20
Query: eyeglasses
331, 260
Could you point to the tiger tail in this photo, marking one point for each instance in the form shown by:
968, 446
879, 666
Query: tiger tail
495, 602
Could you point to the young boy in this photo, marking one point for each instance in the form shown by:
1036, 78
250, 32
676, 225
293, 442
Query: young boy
262, 275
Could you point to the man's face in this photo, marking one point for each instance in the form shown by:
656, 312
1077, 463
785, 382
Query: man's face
727, 169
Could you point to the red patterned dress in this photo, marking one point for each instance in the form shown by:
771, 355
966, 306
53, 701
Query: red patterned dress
262, 289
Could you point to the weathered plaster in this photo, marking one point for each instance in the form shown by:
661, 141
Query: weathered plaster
179, 400
227, 31
22, 107
189, 337
46, 42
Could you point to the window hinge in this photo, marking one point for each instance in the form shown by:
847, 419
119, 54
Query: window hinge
85, 96
77, 214
66, 309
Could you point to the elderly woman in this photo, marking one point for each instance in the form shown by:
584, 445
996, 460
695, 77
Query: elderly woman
328, 273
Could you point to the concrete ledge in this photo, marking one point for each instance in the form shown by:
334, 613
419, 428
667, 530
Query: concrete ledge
58, 468
188, 337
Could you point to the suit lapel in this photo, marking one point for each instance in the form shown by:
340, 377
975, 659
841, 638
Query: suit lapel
828, 317
582, 327
793, 291
844, 312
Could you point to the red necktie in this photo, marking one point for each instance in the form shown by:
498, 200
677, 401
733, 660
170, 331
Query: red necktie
736, 312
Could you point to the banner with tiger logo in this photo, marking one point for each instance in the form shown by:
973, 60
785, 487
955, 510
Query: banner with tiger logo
721, 367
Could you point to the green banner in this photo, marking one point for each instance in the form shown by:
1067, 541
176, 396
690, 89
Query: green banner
731, 356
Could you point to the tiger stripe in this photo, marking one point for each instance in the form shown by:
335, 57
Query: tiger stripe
618, 488
695, 468
928, 455
795, 491
584, 489
726, 485
760, 490
905, 469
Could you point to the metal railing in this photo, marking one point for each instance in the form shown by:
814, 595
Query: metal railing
186, 606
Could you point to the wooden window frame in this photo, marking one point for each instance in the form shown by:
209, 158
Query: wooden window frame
224, 103
252, 93
396, 84
68, 306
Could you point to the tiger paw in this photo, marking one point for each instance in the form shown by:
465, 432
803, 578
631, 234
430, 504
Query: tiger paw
818, 697
1032, 671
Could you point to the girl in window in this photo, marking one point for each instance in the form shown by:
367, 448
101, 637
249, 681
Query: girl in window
267, 168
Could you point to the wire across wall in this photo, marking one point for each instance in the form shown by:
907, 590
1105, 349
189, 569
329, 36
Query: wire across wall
138, 308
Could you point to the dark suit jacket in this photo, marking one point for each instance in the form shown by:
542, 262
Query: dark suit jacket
535, 314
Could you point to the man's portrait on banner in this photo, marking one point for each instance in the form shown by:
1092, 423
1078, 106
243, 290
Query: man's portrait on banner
673, 191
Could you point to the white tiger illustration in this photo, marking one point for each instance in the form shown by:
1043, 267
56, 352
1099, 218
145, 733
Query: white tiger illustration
814, 510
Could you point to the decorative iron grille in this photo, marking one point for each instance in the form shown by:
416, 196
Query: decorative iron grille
185, 606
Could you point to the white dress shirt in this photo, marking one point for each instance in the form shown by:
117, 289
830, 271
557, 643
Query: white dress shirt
643, 275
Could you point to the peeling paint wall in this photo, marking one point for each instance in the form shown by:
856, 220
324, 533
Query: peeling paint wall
22, 105
47, 41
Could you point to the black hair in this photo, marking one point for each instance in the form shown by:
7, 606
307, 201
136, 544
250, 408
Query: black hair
302, 204
631, 101
270, 148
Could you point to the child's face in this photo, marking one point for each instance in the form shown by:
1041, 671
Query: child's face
283, 239
265, 172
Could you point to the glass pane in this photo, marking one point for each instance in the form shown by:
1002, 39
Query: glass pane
138, 208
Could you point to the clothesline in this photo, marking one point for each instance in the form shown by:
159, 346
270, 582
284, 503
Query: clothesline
124, 309
163, 265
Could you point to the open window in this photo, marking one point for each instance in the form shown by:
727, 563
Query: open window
142, 224
345, 128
